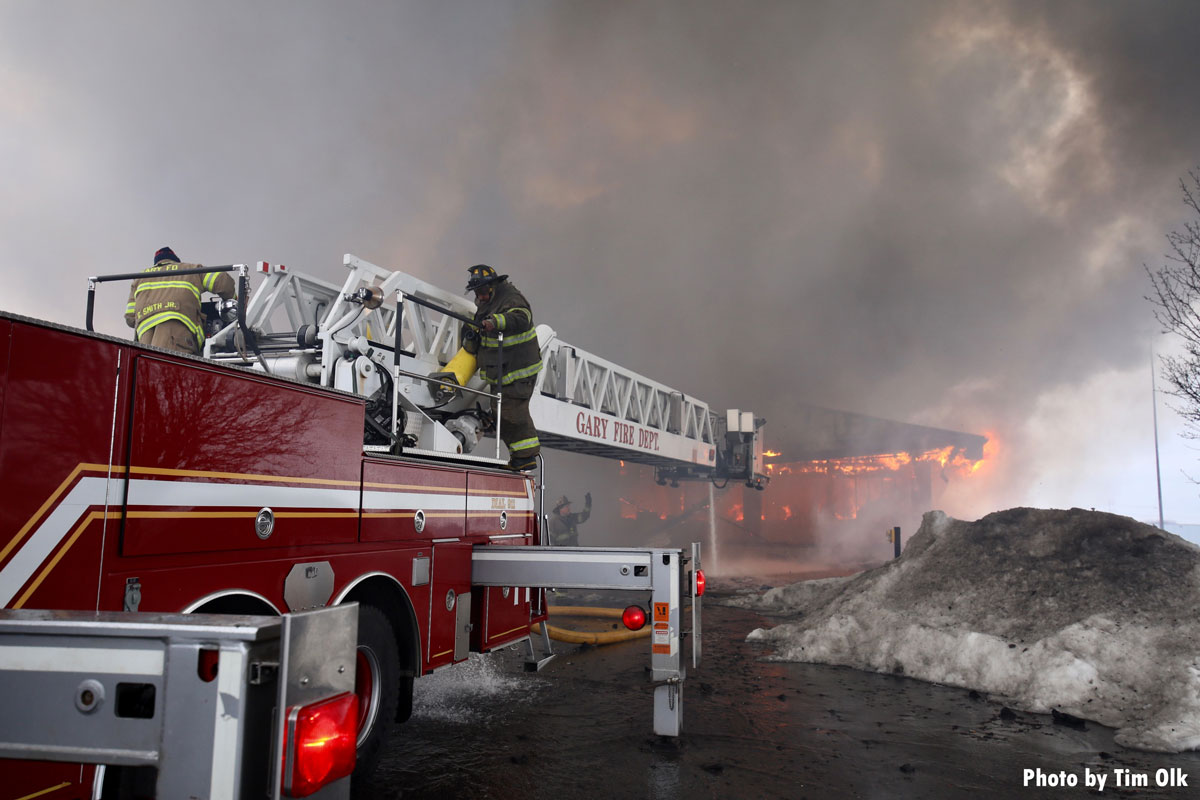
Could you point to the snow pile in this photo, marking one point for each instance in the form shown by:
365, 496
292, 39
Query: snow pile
1092, 614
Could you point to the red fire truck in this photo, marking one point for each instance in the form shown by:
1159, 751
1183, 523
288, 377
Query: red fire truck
309, 460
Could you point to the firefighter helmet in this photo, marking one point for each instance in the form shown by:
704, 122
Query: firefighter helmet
562, 501
482, 275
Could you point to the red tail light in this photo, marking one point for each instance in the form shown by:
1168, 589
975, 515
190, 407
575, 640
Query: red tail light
699, 582
206, 667
634, 618
320, 744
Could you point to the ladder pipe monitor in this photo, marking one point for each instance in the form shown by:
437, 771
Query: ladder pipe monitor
657, 570
133, 276
499, 353
396, 352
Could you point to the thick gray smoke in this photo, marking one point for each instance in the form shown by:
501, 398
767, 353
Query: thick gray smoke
930, 211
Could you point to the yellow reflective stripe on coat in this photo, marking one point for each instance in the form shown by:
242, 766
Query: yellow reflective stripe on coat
525, 444
149, 286
132, 307
150, 322
515, 375
517, 338
210, 280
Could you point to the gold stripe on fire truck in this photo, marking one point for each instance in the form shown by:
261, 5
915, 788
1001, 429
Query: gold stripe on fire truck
439, 655
409, 514
160, 471
62, 551
52, 499
492, 513
506, 633
195, 473
239, 514
166, 472
412, 487
45, 791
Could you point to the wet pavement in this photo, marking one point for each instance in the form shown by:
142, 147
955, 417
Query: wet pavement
583, 727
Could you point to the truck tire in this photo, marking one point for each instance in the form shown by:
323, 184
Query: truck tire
377, 684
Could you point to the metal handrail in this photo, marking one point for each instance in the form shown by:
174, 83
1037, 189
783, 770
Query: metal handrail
243, 286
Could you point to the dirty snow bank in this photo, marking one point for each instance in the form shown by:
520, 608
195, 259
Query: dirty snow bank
1092, 614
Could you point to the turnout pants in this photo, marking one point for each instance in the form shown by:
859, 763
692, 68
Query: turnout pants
516, 426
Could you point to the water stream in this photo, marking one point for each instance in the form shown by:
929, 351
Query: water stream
710, 561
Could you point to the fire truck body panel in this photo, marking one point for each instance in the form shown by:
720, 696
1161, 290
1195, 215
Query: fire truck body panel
60, 419
206, 448
5, 335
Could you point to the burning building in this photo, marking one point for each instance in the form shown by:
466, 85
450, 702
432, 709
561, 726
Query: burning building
838, 480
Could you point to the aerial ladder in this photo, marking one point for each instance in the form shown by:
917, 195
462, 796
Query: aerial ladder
389, 336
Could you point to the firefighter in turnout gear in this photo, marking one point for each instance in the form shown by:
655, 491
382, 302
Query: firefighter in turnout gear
502, 309
164, 309
564, 526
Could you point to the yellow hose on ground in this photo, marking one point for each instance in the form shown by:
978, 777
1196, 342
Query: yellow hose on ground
586, 611
591, 637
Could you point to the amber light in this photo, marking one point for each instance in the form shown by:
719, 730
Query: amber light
699, 582
634, 618
321, 743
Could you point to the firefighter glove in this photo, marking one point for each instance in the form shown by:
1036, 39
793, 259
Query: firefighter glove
488, 324
587, 499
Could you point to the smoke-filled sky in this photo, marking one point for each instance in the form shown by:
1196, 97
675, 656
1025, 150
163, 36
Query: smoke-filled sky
935, 212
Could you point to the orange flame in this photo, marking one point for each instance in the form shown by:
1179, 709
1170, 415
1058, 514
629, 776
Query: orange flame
947, 457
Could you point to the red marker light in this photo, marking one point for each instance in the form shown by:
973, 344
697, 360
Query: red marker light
634, 618
206, 667
699, 582
320, 744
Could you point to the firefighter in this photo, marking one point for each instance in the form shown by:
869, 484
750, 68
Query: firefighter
564, 526
501, 308
164, 309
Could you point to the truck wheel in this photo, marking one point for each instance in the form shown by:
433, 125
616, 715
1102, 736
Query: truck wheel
376, 682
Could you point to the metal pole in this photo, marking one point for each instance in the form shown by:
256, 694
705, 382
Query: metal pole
499, 387
1154, 414
896, 540
396, 371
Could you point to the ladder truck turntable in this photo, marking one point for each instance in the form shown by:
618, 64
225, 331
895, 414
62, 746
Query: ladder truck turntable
319, 454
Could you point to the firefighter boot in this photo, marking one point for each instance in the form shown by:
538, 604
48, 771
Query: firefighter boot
522, 463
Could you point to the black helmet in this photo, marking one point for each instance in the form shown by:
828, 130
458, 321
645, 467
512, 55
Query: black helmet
482, 275
562, 501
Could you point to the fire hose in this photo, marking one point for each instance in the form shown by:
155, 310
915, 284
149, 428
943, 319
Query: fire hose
591, 637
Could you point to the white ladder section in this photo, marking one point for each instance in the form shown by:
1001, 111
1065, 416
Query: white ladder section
315, 331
